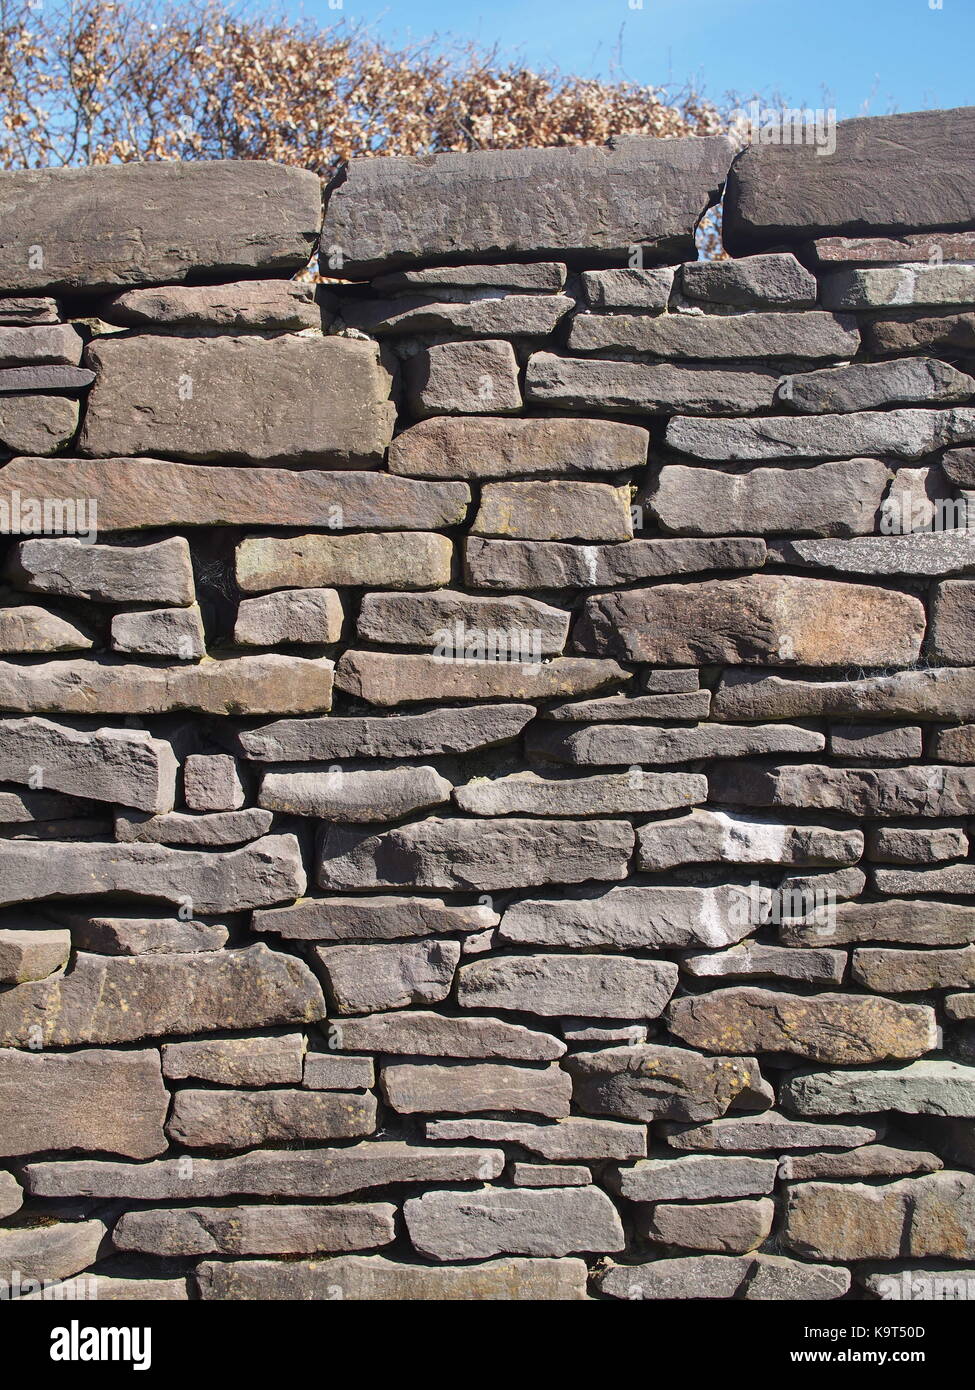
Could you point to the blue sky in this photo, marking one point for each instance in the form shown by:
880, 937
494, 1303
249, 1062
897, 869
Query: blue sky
860, 56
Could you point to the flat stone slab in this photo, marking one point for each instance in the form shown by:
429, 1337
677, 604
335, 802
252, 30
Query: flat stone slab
506, 852
135, 494
255, 1230
921, 1088
840, 1028
552, 1221
114, 999
485, 447
523, 204
584, 986
276, 1173
764, 618
125, 766
266, 684
99, 1100
403, 735
135, 224
788, 192
374, 1278
322, 400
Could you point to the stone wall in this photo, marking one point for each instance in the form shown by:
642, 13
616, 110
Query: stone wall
486, 796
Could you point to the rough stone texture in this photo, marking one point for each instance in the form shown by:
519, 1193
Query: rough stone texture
882, 287
829, 499
475, 854
32, 954
732, 1228
132, 224
701, 337
624, 743
904, 434
331, 1172
950, 639
466, 1087
267, 871
419, 1034
373, 1278
518, 565
523, 203
514, 315
774, 1278
641, 927
580, 985
461, 620
418, 561
326, 1072
489, 448
26, 628
226, 1119
946, 693
628, 289
922, 1088
281, 306
375, 918
896, 791
11, 1195
912, 972
255, 1230
99, 1101
526, 793
136, 494
764, 618
406, 735
756, 282
568, 1139
650, 1082
37, 424
691, 1276
477, 378
891, 844
872, 1161
364, 979
477, 1225
159, 573
54, 1251
841, 1028
266, 684
108, 999
928, 1216
269, 1061
309, 617
766, 1133
627, 918
871, 385
323, 399
392, 678
172, 632
751, 960
586, 383
554, 511
177, 828
211, 783
128, 934
694, 1178
715, 836
786, 191
125, 766
350, 795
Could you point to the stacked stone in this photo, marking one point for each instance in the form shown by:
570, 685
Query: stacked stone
419, 777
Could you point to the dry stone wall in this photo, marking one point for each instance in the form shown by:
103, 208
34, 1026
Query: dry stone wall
487, 756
